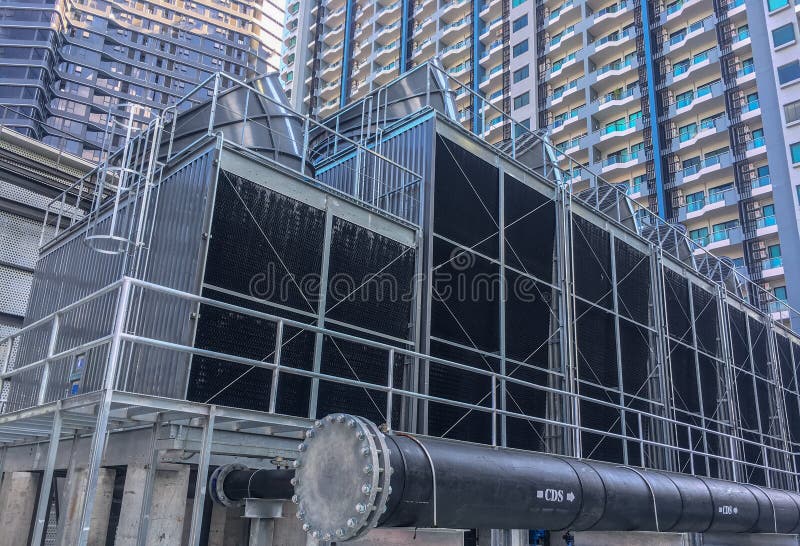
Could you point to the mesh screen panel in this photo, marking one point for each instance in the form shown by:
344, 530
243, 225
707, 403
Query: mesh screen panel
265, 244
371, 280
466, 198
706, 321
633, 282
529, 224
678, 311
592, 255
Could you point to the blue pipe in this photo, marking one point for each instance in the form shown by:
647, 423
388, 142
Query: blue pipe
651, 93
348, 48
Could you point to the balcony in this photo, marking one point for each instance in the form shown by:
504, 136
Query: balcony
493, 54
424, 47
491, 9
695, 65
723, 238
700, 95
755, 147
740, 38
696, 29
691, 136
564, 91
455, 30
778, 310
331, 70
674, 10
332, 54
565, 120
330, 90
710, 164
384, 53
454, 9
621, 161
390, 13
561, 64
745, 74
614, 69
556, 15
571, 145
493, 77
618, 129
751, 109
611, 12
766, 225
388, 33
386, 72
452, 53
333, 36
772, 267
736, 6
609, 101
611, 40
560, 38
714, 201
761, 185
336, 17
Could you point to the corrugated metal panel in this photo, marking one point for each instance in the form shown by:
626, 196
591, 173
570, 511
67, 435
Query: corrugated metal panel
381, 184
72, 270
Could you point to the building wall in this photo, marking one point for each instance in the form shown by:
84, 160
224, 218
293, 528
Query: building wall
91, 56
30, 175
674, 113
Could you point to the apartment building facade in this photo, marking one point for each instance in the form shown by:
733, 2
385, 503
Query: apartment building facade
67, 63
694, 105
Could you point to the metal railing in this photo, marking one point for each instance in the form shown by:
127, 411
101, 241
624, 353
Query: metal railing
123, 334
94, 190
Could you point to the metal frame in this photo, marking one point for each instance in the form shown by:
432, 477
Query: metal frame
109, 408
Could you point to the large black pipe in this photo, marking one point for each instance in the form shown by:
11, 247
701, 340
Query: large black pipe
376, 480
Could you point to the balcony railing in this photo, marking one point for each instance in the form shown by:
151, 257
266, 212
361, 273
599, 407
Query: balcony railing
697, 204
614, 8
772, 263
616, 96
620, 158
760, 182
755, 143
766, 221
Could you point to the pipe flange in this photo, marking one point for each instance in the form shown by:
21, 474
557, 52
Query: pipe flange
217, 482
342, 478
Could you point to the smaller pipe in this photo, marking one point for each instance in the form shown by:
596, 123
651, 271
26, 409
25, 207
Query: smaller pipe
231, 485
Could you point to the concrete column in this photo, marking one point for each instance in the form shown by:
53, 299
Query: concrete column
75, 492
17, 503
167, 510
228, 527
600, 538
288, 529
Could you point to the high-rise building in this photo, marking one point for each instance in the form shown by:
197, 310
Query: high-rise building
693, 104
66, 63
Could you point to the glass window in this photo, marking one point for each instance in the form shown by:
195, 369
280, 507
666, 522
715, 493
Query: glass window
776, 4
522, 73
699, 236
516, 3
520, 48
783, 35
520, 23
687, 132
789, 72
780, 293
522, 100
792, 111
795, 150
684, 99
